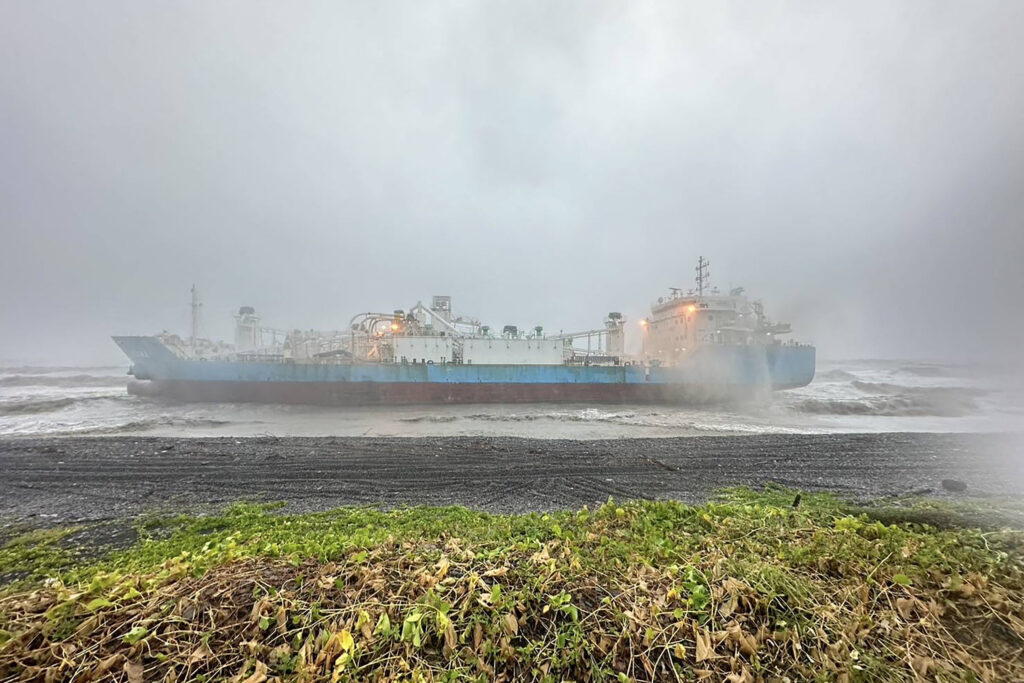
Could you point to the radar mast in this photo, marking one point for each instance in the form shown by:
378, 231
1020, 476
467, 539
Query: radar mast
702, 275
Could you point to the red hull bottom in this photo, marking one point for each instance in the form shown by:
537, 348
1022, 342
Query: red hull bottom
410, 393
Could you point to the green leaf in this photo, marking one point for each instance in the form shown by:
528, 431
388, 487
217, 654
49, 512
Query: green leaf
98, 603
383, 625
902, 580
135, 635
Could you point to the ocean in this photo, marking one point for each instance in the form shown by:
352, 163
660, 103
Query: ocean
849, 396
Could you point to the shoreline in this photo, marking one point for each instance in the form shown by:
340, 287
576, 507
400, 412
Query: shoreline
60, 480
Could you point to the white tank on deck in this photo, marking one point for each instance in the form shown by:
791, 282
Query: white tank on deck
506, 351
420, 349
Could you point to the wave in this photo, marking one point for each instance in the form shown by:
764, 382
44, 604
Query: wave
34, 406
676, 423
586, 416
581, 416
150, 424
835, 375
52, 369
887, 387
919, 404
37, 380
925, 370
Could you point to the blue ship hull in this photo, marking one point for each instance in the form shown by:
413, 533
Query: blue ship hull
713, 373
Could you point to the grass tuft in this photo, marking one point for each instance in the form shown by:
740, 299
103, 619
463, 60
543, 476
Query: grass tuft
744, 588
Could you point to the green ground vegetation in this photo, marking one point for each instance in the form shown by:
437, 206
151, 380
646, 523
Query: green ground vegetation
744, 588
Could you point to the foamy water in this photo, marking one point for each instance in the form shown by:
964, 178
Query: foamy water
849, 396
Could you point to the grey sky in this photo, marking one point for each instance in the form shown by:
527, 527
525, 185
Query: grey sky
859, 165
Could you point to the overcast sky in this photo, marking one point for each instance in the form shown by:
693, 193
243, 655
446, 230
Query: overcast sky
858, 165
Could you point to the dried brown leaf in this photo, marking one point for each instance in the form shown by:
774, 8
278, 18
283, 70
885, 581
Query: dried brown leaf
510, 624
449, 636
259, 675
109, 664
200, 653
906, 607
500, 571
704, 649
134, 671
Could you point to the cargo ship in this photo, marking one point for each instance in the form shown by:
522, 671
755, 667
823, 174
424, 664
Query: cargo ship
696, 346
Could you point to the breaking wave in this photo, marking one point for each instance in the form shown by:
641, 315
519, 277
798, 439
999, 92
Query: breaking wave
677, 422
835, 376
50, 369
591, 415
920, 402
926, 370
152, 423
37, 380
34, 406
899, 389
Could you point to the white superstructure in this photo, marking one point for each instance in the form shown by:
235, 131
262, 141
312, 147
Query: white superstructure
682, 322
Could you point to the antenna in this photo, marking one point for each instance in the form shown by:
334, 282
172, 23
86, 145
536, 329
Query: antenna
195, 316
702, 275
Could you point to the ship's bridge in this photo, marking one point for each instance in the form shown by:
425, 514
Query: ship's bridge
682, 322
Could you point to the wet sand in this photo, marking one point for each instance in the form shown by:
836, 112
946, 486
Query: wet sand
61, 480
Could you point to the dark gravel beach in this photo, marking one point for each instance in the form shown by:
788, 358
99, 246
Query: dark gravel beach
60, 480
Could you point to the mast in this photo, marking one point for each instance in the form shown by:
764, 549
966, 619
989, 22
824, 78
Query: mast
702, 274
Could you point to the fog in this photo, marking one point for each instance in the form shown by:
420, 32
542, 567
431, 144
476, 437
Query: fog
859, 166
